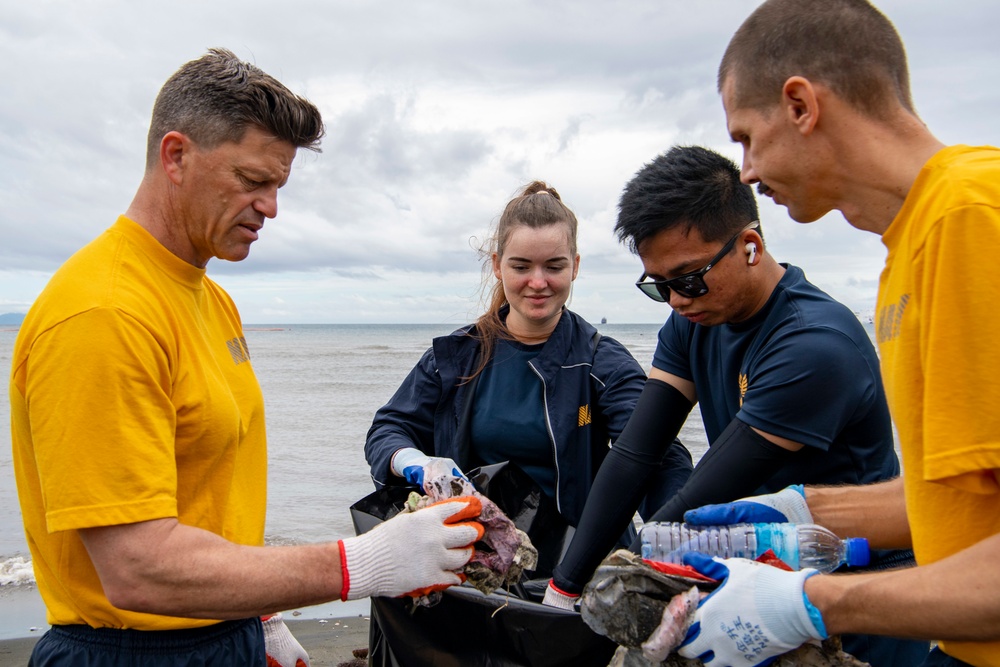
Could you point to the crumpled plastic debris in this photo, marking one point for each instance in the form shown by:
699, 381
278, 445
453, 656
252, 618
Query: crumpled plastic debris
503, 553
630, 603
647, 612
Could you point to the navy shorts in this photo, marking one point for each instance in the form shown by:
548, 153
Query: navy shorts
235, 643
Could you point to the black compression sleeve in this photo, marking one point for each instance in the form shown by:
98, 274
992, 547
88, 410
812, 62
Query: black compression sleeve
657, 419
736, 465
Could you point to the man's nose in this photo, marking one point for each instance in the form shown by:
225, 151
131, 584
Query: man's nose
267, 203
677, 300
747, 173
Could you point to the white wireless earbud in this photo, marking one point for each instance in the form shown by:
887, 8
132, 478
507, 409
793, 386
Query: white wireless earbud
752, 251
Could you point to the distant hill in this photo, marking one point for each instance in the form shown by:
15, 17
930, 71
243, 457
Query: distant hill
11, 318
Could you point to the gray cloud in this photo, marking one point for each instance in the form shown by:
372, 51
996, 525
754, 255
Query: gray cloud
437, 113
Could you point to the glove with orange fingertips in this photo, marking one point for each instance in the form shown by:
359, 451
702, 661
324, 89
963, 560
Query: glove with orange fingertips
413, 553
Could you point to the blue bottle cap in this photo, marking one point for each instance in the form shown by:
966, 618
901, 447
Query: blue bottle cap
857, 551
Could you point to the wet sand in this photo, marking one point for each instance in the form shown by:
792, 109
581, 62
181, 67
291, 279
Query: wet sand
329, 642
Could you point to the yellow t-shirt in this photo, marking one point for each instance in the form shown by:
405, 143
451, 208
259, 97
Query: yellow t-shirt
938, 317
132, 398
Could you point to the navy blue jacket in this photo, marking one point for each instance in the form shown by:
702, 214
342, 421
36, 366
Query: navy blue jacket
431, 410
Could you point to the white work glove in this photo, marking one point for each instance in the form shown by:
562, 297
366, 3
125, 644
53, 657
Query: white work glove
557, 598
412, 553
411, 464
757, 612
786, 506
283, 650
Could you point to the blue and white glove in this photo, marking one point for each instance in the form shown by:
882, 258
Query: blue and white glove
756, 614
786, 506
411, 464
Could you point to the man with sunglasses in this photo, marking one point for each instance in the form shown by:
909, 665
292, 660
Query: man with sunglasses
787, 379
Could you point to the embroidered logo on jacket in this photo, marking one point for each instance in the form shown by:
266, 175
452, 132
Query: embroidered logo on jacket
239, 350
584, 416
744, 385
890, 317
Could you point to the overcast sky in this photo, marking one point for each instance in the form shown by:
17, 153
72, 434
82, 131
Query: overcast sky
436, 113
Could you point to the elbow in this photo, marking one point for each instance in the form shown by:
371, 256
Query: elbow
131, 564
373, 445
129, 596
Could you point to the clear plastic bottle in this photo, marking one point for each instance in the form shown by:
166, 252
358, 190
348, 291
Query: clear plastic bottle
798, 545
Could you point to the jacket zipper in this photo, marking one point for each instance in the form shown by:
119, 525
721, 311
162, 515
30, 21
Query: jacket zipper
548, 427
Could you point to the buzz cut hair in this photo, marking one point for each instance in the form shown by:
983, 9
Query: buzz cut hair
847, 45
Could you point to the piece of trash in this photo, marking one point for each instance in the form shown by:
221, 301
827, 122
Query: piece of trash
501, 555
647, 612
360, 658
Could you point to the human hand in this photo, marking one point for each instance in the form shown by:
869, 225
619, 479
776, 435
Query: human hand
412, 553
282, 649
411, 464
786, 506
557, 598
757, 612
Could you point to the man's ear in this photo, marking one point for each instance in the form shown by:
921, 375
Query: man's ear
801, 103
174, 154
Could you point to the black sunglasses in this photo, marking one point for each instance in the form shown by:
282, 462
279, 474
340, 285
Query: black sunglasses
690, 285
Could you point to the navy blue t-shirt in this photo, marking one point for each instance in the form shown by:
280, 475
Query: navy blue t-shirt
803, 368
508, 416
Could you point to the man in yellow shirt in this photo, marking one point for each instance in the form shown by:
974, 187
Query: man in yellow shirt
138, 423
818, 94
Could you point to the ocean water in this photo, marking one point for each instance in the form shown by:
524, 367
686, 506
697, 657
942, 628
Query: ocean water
322, 385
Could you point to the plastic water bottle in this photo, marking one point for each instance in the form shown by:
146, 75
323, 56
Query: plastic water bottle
798, 545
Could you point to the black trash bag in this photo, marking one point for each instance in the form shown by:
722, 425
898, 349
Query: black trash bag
467, 628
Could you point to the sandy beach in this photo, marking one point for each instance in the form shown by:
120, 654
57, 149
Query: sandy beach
330, 642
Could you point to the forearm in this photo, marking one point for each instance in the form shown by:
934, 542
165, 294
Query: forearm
384, 441
875, 511
608, 511
407, 420
953, 599
620, 484
739, 462
164, 567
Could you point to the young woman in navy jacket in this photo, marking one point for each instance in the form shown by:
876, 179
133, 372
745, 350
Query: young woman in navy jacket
529, 382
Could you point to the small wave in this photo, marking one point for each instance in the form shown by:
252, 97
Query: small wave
16, 571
